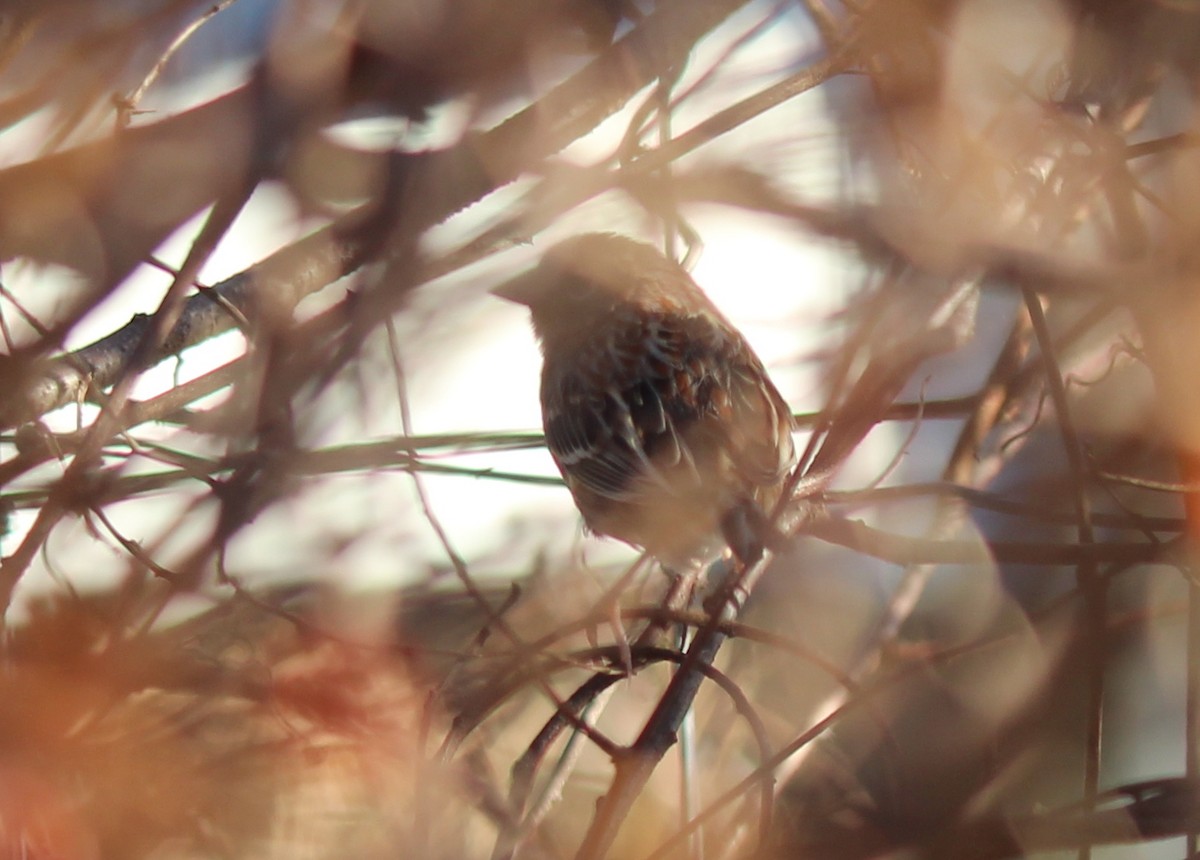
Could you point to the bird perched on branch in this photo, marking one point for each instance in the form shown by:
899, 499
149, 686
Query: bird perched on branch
661, 418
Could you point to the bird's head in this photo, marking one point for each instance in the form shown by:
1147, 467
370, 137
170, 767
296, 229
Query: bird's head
585, 279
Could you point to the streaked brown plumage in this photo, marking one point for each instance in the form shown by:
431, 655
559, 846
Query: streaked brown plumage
659, 415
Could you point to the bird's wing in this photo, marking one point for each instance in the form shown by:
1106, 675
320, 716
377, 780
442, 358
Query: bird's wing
721, 403
656, 401
760, 432
584, 434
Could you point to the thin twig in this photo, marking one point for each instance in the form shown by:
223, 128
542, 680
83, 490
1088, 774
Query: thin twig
130, 104
1094, 588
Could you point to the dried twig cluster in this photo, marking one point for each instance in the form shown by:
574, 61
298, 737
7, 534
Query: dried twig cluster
983, 642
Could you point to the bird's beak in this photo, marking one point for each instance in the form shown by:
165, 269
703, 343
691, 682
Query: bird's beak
524, 289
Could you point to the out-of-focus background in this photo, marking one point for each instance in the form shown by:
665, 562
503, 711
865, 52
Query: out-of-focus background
287, 570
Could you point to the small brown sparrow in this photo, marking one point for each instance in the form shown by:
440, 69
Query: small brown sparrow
661, 418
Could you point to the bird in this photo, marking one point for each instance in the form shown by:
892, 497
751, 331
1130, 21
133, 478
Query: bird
661, 419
